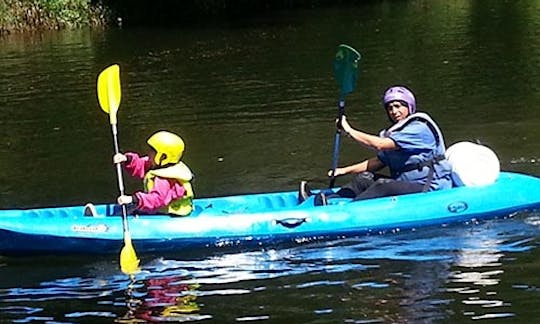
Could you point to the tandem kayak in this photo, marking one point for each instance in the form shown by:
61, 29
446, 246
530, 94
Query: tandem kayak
258, 219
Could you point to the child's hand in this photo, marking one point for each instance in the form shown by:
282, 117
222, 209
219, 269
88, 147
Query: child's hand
125, 200
119, 158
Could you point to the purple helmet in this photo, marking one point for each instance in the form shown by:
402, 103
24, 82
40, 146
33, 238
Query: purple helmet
402, 94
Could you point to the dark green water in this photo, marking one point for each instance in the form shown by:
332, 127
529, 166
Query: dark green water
255, 102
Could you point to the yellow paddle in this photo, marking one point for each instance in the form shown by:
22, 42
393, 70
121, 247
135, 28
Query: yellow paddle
109, 93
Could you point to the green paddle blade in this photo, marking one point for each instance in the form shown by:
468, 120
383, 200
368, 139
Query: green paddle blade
109, 93
346, 68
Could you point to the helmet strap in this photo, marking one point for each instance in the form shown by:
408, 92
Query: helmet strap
162, 157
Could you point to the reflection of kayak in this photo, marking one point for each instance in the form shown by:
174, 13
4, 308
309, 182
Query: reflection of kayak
258, 219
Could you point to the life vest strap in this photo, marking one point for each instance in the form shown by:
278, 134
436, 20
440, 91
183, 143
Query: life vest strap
419, 166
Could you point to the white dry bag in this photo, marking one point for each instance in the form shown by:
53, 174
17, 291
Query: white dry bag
473, 164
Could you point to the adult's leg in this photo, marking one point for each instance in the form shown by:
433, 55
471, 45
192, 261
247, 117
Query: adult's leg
359, 184
389, 187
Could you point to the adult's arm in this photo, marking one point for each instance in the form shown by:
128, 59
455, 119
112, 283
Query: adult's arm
374, 142
373, 165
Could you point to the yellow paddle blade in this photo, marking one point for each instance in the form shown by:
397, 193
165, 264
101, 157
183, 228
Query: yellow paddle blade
129, 263
109, 92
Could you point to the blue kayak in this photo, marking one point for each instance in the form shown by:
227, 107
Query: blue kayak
258, 219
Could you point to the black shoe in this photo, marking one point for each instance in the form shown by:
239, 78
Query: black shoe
304, 192
320, 199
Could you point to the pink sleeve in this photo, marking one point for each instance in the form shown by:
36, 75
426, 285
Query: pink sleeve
163, 192
137, 166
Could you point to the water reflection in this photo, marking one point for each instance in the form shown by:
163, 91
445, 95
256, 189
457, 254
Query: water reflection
415, 280
479, 270
162, 299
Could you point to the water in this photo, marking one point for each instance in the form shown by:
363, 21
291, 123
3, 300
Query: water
465, 272
255, 103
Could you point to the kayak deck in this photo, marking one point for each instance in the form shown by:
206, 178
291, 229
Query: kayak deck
258, 219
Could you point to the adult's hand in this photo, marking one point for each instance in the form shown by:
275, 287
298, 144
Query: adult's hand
345, 126
337, 172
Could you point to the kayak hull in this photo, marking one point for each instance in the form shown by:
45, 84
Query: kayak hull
257, 220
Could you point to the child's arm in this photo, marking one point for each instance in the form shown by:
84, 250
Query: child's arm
163, 192
136, 165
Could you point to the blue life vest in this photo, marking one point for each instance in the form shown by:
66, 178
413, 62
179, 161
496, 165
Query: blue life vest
420, 156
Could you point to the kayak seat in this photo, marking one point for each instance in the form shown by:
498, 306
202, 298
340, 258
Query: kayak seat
241, 204
278, 202
218, 207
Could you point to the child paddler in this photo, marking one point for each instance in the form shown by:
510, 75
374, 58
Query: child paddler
166, 179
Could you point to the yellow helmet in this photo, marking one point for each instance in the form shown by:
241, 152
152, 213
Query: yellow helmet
169, 147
